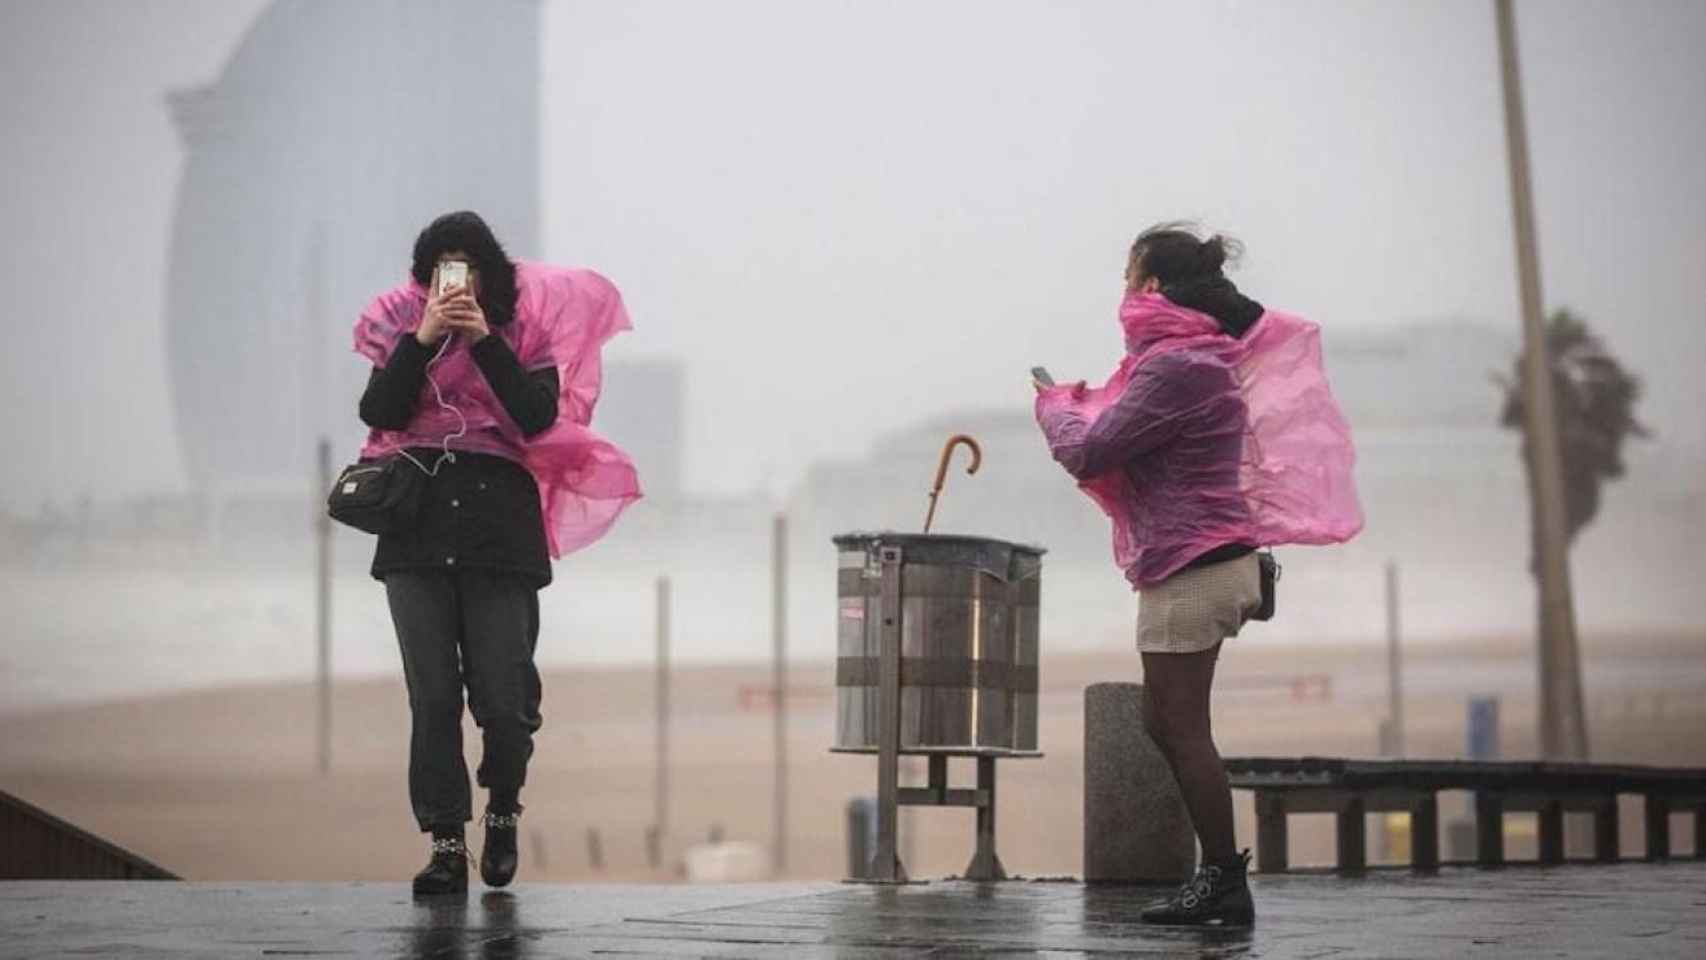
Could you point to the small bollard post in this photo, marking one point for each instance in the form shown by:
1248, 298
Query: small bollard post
1474, 839
1483, 728
594, 849
861, 836
654, 847
1136, 827
536, 839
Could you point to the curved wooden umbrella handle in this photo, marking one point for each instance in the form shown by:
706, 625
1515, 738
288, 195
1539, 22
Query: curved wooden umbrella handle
956, 440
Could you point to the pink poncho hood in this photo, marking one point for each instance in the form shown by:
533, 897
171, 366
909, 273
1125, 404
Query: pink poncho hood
563, 317
1295, 471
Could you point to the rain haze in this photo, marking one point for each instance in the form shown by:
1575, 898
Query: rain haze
846, 217
844, 232
839, 221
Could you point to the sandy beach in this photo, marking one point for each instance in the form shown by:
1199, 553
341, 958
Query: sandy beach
220, 784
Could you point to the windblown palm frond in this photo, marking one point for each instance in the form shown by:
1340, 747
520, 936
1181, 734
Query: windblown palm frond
1594, 400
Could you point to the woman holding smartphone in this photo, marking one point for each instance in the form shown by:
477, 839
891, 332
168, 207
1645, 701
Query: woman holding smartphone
485, 376
1193, 449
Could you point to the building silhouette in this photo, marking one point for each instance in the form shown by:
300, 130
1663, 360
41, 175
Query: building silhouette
642, 409
332, 135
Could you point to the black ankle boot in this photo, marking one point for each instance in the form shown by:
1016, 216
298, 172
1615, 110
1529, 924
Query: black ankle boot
447, 871
498, 858
1219, 895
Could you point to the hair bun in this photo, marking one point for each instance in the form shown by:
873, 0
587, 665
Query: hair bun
1211, 255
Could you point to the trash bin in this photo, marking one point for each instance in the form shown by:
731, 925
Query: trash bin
970, 611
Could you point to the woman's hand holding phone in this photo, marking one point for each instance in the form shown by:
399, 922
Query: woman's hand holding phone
1040, 379
1075, 389
448, 310
463, 314
1042, 382
434, 322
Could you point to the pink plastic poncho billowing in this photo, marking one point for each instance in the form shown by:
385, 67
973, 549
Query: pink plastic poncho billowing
563, 317
1294, 480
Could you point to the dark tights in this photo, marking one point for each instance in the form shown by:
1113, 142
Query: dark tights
1175, 713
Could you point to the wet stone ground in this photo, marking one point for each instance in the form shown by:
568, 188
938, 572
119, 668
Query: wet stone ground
1629, 910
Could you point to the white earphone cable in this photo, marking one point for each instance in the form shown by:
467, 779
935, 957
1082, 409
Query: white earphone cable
462, 422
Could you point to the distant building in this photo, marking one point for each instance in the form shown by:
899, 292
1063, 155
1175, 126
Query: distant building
1019, 493
1422, 408
1424, 411
334, 133
1441, 483
1428, 374
642, 409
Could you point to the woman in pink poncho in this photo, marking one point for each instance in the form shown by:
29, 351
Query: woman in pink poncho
487, 388
1216, 436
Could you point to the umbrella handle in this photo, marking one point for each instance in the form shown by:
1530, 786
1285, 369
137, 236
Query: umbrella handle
957, 440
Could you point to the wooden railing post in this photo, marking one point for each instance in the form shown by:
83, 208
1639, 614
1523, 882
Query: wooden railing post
1489, 829
1353, 835
1272, 855
1424, 832
1658, 827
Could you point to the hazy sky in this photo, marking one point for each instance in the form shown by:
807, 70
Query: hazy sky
848, 217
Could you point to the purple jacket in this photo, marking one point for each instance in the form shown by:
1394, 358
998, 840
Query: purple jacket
1175, 437
1200, 440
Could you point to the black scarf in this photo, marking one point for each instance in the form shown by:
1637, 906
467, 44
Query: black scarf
1217, 297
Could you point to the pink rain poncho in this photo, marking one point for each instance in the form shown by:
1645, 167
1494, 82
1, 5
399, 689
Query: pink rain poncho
563, 317
1200, 439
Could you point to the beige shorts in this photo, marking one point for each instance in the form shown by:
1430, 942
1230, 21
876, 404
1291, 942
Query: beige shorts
1195, 609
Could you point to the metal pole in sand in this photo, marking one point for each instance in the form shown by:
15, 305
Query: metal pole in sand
1394, 666
779, 682
323, 610
660, 807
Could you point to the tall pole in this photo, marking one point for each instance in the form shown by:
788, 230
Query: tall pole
660, 808
1394, 667
1563, 729
779, 682
323, 607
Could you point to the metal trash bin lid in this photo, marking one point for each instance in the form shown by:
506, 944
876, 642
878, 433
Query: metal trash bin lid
1001, 559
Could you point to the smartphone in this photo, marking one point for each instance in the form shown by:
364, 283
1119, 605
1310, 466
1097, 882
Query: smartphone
451, 274
1041, 376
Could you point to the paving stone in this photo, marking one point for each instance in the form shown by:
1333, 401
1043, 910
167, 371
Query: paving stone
1626, 910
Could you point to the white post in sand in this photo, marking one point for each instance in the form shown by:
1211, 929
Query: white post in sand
323, 607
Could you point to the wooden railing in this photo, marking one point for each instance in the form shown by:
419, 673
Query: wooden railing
1351, 789
36, 845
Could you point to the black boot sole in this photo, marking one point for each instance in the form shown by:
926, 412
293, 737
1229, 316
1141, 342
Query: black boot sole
494, 877
437, 887
437, 890
497, 868
1240, 913
1237, 920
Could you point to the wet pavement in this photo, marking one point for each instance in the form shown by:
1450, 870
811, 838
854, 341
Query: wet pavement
1629, 910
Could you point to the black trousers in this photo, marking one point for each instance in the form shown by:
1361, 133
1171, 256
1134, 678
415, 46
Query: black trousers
474, 630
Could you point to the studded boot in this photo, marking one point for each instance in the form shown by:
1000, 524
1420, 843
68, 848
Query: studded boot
447, 871
1219, 895
499, 858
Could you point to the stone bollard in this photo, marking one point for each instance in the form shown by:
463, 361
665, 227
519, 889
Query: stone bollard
1136, 828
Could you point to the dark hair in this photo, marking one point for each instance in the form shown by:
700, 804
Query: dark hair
1191, 273
465, 231
1172, 253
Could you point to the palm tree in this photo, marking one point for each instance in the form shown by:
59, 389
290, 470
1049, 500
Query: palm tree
1595, 402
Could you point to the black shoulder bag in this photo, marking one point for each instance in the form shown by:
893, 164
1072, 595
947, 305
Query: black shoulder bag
377, 496
1270, 574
